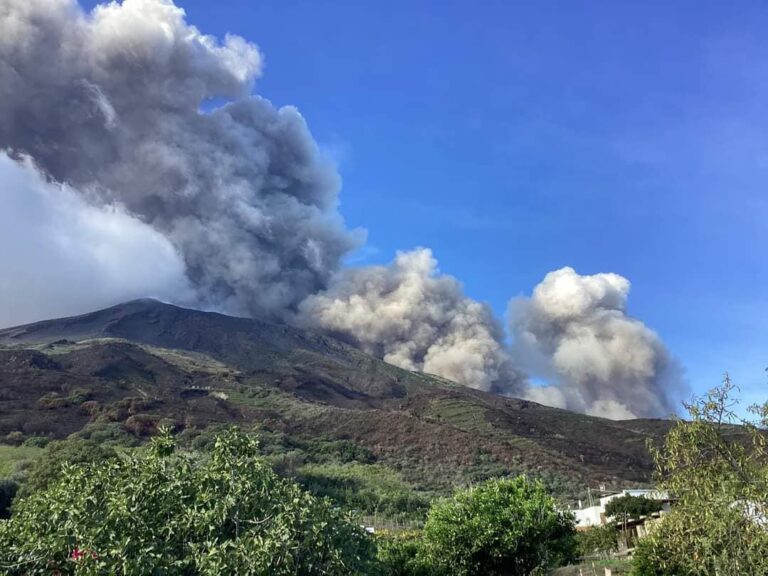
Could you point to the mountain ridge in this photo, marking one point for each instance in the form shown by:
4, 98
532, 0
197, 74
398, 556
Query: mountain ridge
143, 362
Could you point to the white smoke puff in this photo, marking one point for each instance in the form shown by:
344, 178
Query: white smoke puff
612, 409
606, 362
62, 256
547, 395
109, 103
414, 317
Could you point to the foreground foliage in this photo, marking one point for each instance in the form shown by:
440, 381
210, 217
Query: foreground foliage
720, 475
160, 512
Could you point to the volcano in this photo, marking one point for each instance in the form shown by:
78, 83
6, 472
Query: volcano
145, 363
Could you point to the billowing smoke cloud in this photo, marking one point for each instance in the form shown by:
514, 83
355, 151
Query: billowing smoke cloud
54, 244
575, 330
145, 189
416, 318
109, 103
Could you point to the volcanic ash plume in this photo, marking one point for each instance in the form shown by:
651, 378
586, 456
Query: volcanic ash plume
576, 329
109, 103
416, 318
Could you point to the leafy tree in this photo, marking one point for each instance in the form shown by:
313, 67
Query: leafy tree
505, 526
600, 540
161, 512
625, 508
719, 473
630, 507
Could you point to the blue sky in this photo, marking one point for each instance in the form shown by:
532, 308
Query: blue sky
514, 138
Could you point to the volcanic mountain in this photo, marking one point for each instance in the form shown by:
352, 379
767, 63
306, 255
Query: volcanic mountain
146, 363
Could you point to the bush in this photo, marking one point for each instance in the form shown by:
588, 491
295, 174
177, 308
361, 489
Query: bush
510, 527
52, 401
141, 424
399, 554
104, 432
160, 512
345, 451
15, 438
90, 407
37, 441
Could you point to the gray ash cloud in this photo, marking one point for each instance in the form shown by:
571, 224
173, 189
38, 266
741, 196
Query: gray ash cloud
109, 103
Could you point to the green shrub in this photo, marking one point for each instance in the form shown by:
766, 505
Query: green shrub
15, 438
104, 432
654, 557
157, 511
52, 401
508, 527
367, 488
399, 554
36, 441
345, 451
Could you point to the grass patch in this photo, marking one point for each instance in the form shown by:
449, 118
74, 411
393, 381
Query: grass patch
12, 456
467, 416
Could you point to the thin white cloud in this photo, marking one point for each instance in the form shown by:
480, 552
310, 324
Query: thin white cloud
61, 256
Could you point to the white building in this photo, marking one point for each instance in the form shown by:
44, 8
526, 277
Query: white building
595, 515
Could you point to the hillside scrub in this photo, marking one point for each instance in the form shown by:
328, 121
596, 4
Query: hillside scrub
719, 473
367, 488
160, 511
